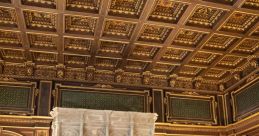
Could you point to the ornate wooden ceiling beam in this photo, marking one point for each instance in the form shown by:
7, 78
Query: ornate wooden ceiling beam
135, 34
60, 30
22, 27
99, 28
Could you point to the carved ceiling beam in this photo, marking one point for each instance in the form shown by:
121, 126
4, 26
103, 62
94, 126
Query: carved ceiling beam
136, 33
22, 28
99, 28
60, 29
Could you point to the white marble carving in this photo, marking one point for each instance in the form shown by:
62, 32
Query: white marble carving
85, 122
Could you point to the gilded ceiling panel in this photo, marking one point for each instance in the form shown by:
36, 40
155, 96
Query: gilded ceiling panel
126, 8
203, 58
136, 65
8, 17
41, 3
219, 42
83, 5
163, 68
45, 57
173, 54
230, 61
239, 22
43, 41
215, 73
75, 60
144, 51
118, 28
199, 38
205, 16
167, 11
111, 48
153, 33
80, 24
247, 46
106, 63
10, 38
252, 4
78, 44
189, 71
13, 55
43, 21
188, 38
228, 2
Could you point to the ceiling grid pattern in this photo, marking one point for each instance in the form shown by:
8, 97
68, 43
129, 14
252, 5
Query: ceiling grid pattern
189, 38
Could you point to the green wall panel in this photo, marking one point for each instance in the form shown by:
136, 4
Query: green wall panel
102, 101
247, 99
16, 97
190, 109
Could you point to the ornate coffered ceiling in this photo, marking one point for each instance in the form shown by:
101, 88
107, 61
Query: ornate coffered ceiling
190, 39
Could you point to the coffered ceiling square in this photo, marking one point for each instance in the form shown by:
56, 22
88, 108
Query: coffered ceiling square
118, 28
154, 33
10, 38
163, 68
8, 17
111, 48
126, 8
144, 51
136, 65
38, 20
251, 4
203, 58
13, 54
167, 11
239, 22
230, 61
188, 38
43, 41
83, 5
219, 42
173, 54
75, 60
189, 71
106, 63
205, 16
247, 46
78, 44
80, 24
215, 73
228, 2
41, 3
45, 57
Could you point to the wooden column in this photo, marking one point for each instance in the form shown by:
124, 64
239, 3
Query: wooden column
44, 100
158, 104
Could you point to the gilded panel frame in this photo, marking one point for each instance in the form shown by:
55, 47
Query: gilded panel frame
244, 114
201, 121
30, 109
145, 93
